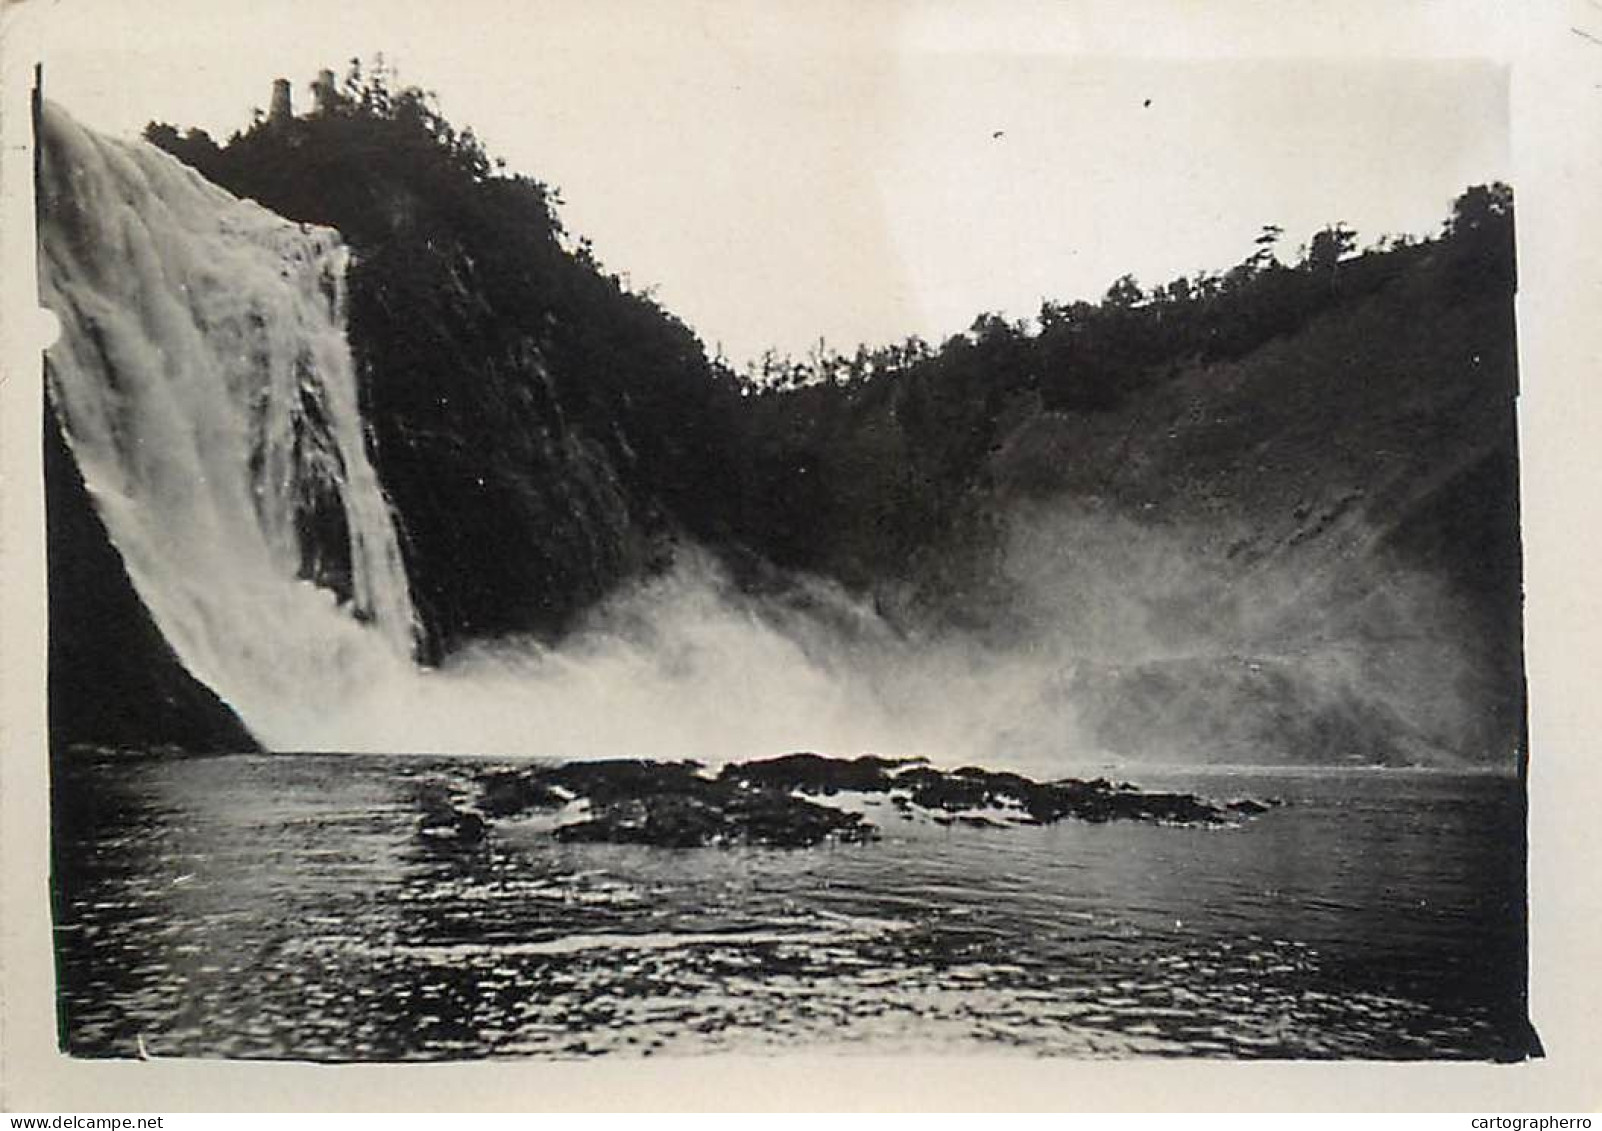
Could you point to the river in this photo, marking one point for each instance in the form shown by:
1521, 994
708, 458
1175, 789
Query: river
273, 906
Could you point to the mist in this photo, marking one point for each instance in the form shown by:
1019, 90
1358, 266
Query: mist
1104, 642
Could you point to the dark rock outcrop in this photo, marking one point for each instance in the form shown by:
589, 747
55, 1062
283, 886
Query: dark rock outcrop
815, 773
509, 792
445, 819
673, 805
678, 805
763, 818
1047, 802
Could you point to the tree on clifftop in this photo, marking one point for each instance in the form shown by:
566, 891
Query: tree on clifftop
1480, 235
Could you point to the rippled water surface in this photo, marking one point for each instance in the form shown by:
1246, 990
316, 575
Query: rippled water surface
284, 906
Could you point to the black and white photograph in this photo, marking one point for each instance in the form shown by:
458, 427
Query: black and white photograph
598, 532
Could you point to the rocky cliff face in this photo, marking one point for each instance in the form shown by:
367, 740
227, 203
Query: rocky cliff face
513, 515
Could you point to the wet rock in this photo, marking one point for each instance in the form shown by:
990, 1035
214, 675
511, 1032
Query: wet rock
814, 773
666, 821
442, 819
509, 792
470, 827
781, 821
679, 805
1182, 808
1043, 803
765, 818
463, 828
620, 779
932, 789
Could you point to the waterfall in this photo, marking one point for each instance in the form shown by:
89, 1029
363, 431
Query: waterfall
205, 385
206, 389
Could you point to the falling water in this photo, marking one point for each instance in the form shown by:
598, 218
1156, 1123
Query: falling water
206, 388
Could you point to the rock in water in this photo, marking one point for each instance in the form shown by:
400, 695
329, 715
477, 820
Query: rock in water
678, 805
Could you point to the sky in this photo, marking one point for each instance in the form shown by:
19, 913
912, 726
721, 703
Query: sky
782, 172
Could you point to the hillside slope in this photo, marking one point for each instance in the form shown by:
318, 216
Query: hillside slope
1346, 500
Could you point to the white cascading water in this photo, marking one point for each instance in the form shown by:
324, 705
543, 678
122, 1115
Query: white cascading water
207, 392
